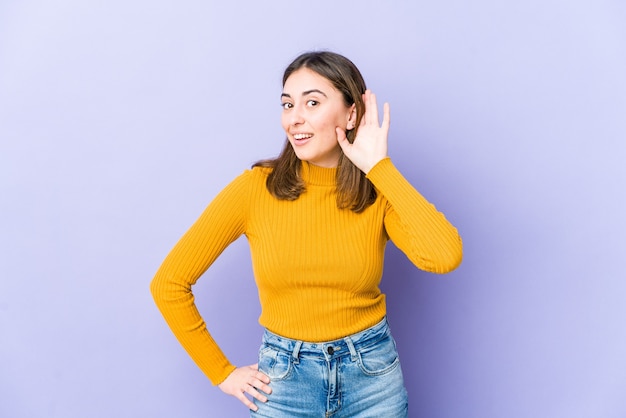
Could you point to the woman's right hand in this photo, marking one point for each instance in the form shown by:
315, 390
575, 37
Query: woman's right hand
247, 379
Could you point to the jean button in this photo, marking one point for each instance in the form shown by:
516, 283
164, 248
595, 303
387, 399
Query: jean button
330, 351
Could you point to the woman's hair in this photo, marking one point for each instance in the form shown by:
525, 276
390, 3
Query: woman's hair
354, 190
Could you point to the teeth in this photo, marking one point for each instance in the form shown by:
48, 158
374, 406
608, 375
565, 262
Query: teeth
302, 136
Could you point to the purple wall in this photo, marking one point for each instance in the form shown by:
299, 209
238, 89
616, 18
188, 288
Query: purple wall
119, 121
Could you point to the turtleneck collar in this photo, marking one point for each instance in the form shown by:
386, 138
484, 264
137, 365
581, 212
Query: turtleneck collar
319, 176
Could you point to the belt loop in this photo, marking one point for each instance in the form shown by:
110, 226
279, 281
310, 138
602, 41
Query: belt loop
350, 345
296, 352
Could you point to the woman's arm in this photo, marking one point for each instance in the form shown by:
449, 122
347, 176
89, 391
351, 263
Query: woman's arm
220, 224
414, 225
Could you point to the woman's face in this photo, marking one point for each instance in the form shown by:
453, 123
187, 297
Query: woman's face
312, 110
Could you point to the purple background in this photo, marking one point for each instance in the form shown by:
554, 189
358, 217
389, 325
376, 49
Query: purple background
119, 121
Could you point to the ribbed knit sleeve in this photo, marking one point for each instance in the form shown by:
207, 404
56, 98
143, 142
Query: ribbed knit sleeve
220, 224
414, 225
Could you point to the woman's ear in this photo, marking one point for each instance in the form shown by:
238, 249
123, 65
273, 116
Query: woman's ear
351, 118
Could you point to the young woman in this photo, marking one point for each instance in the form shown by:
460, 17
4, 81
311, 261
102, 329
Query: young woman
317, 219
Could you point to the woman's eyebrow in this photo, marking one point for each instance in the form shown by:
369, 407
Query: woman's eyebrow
306, 93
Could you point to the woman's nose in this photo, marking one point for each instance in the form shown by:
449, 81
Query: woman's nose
295, 116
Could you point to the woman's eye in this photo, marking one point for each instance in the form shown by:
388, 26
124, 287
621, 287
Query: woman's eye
312, 103
286, 105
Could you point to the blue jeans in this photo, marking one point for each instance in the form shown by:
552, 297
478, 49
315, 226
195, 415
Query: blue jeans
357, 376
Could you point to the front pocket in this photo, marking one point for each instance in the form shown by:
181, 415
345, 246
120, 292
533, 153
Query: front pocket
274, 363
379, 358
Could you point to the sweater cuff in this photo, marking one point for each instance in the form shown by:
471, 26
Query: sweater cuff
380, 169
216, 378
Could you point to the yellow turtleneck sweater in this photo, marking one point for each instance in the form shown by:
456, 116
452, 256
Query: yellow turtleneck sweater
317, 267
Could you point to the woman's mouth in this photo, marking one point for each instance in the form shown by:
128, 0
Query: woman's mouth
301, 137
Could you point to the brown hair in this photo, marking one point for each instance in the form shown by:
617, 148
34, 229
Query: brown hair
354, 190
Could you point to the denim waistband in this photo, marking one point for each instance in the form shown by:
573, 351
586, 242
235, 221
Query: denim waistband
349, 345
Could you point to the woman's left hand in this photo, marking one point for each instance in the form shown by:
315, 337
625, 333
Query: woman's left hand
370, 144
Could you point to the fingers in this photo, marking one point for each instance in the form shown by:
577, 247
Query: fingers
250, 390
341, 137
371, 112
370, 116
246, 380
262, 382
247, 402
386, 117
